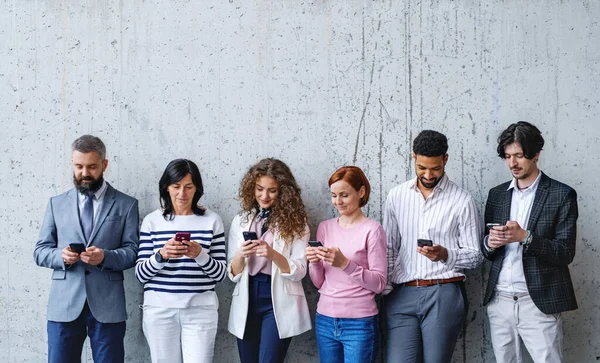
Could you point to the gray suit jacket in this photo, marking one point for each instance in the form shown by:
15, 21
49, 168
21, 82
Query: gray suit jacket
116, 231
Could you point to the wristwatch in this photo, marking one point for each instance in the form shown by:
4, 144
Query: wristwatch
159, 258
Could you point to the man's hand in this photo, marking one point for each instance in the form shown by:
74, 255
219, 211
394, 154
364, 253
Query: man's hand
194, 248
92, 256
333, 256
502, 235
435, 253
69, 257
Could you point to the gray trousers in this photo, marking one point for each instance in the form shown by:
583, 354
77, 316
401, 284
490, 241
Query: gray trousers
423, 323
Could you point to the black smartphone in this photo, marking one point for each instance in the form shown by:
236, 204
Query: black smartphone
491, 225
315, 244
249, 236
77, 247
424, 242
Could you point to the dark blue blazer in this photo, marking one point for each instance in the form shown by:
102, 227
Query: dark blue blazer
553, 223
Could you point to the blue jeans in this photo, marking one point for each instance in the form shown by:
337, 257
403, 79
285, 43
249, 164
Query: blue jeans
347, 340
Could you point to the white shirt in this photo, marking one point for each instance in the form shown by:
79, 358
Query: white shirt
449, 217
512, 276
97, 201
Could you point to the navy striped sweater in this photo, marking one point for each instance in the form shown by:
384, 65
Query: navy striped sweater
183, 281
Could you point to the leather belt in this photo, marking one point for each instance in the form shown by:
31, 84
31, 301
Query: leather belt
434, 282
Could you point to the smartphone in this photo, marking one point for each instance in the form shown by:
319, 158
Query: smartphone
182, 236
424, 242
77, 247
250, 236
491, 225
315, 244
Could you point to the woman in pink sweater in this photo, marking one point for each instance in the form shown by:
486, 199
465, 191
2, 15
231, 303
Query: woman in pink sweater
348, 270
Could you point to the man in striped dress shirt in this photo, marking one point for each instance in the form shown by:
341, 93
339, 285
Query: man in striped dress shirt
426, 303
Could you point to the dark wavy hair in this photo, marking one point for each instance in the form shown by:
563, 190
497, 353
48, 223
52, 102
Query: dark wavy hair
354, 176
430, 143
524, 133
288, 215
174, 172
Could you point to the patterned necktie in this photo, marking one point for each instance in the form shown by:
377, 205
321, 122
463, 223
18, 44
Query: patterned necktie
87, 216
262, 216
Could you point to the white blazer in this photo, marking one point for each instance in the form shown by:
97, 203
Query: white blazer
289, 302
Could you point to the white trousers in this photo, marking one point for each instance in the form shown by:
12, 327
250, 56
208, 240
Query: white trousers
181, 335
514, 318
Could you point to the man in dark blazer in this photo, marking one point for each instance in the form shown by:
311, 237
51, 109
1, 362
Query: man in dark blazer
531, 248
90, 234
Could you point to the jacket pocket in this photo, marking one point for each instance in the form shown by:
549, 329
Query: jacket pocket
115, 276
59, 274
293, 288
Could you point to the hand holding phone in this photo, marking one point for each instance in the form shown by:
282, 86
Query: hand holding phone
315, 244
311, 254
492, 225
424, 242
77, 247
182, 236
249, 236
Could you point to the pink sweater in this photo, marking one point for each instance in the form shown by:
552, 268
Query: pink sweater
350, 293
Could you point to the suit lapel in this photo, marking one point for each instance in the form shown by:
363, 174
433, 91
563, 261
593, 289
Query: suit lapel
506, 203
538, 202
73, 203
107, 203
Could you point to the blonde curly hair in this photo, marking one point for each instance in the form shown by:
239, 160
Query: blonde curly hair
288, 215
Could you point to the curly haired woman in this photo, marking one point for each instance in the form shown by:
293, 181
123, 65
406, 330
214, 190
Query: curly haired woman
268, 306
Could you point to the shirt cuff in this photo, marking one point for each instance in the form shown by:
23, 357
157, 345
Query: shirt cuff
451, 258
485, 244
154, 262
203, 258
350, 267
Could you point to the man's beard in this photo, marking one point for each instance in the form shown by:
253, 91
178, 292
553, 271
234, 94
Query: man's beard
430, 184
88, 188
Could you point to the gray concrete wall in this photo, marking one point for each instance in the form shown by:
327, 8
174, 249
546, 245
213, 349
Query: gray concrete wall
318, 84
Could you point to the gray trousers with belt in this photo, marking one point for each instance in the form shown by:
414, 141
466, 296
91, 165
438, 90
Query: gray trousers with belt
423, 323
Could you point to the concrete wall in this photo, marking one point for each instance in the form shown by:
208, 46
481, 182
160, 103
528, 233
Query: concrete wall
319, 84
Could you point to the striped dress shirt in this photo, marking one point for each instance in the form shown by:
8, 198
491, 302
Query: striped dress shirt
449, 217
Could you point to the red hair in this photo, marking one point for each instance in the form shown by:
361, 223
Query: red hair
354, 176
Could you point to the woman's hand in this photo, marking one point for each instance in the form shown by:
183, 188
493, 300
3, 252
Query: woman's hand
262, 249
333, 256
194, 248
247, 249
173, 249
311, 254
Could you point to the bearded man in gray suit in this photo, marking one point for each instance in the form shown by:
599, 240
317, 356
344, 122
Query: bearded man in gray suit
90, 234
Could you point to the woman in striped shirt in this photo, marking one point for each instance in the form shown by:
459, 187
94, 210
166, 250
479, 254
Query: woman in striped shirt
179, 274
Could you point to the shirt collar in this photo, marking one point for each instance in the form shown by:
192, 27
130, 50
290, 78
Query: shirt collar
99, 194
533, 186
440, 186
